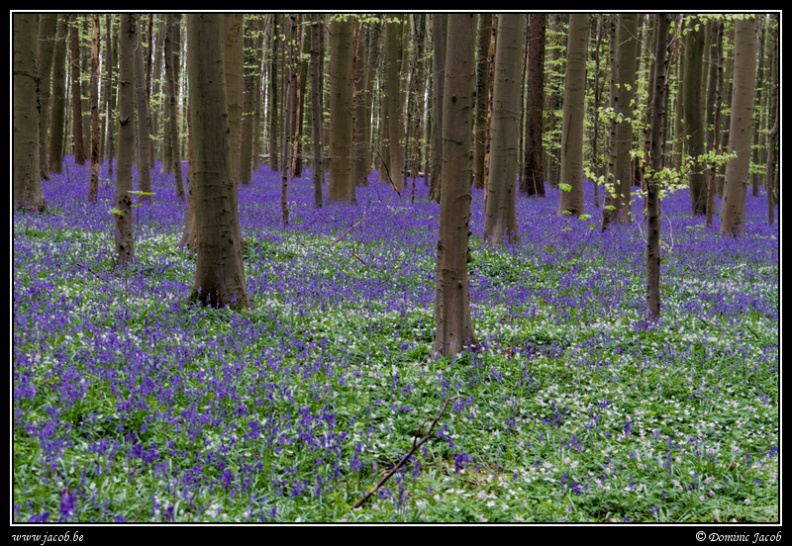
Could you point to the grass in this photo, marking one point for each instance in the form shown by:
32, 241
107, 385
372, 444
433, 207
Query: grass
130, 405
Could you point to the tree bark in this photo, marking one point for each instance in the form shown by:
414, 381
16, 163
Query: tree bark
533, 171
232, 61
658, 90
482, 86
56, 141
219, 272
395, 114
127, 40
571, 201
94, 99
316, 103
274, 127
341, 185
501, 217
172, 125
46, 39
27, 169
740, 130
76, 97
439, 33
617, 199
143, 126
109, 92
692, 113
454, 327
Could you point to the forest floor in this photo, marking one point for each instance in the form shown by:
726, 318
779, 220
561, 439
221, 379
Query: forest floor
130, 405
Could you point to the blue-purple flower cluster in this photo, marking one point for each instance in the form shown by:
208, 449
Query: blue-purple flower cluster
129, 405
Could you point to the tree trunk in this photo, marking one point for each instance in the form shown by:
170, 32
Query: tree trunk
657, 88
250, 67
597, 97
143, 119
341, 186
27, 168
395, 114
439, 32
56, 142
172, 126
302, 76
740, 130
501, 216
715, 39
574, 113
289, 96
110, 89
316, 103
533, 171
232, 61
127, 40
274, 127
617, 200
454, 327
94, 180
360, 93
692, 113
76, 98
219, 273
482, 85
46, 39
771, 171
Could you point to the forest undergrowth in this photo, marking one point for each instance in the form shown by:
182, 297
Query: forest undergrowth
129, 405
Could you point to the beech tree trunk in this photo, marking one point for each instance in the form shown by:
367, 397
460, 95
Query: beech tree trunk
342, 184
657, 87
27, 169
439, 33
316, 103
692, 107
454, 327
171, 110
56, 141
393, 61
482, 86
219, 272
533, 171
93, 186
501, 217
127, 40
574, 114
46, 41
144, 162
740, 129
76, 97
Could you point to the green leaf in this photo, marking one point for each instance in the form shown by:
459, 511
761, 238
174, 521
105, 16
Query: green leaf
139, 192
117, 212
565, 187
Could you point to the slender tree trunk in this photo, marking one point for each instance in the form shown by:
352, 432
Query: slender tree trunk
46, 39
27, 169
482, 85
316, 103
233, 57
85, 68
658, 91
250, 69
372, 62
155, 87
341, 186
76, 97
302, 77
715, 39
289, 90
758, 126
727, 86
533, 171
127, 40
56, 142
172, 126
501, 216
110, 89
360, 92
439, 32
274, 128
143, 126
490, 91
771, 171
692, 110
219, 273
618, 200
740, 130
94, 181
452, 301
574, 113
395, 114
597, 98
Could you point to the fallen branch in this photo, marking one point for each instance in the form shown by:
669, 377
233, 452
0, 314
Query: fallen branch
416, 444
387, 171
356, 224
95, 274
